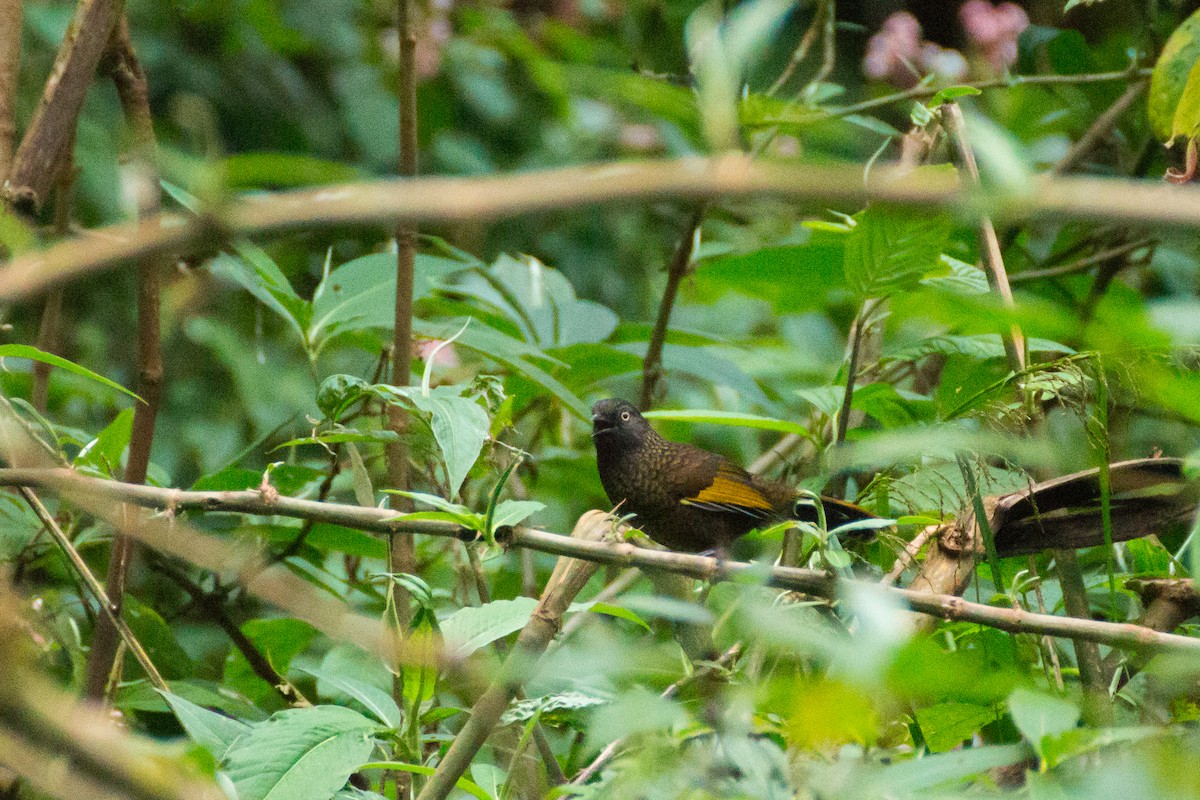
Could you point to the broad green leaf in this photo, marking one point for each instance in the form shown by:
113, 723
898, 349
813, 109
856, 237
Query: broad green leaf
460, 426
952, 93
892, 407
793, 278
924, 773
158, 639
471, 628
362, 293
1187, 113
453, 511
891, 250
1172, 74
734, 418
1040, 716
512, 512
212, 731
34, 354
255, 272
947, 725
300, 754
653, 605
376, 701
512, 353
282, 170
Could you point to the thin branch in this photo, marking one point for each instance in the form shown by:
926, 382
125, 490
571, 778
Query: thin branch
570, 576
50, 328
728, 657
11, 12
911, 550
1099, 128
375, 520
112, 612
861, 323
728, 176
134, 94
681, 262
989, 244
37, 162
801, 52
928, 90
212, 604
1082, 264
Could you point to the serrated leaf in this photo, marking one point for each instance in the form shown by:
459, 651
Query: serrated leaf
890, 250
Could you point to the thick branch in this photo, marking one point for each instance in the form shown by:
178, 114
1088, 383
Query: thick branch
478, 199
10, 66
134, 94
36, 164
383, 521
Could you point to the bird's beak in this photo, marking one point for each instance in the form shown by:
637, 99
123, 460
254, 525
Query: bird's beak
600, 425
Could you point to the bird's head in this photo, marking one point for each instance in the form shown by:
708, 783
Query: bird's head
614, 418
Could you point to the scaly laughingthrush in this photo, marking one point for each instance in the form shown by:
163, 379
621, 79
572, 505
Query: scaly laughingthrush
686, 498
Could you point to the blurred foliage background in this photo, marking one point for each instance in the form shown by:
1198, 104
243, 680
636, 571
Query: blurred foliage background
272, 353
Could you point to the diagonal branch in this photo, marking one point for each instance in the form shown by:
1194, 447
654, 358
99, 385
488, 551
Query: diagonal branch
38, 159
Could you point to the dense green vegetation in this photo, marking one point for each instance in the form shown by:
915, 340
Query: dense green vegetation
821, 304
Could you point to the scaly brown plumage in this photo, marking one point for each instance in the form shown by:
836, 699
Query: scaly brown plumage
686, 498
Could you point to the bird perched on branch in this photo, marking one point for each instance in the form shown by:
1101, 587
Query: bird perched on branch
686, 498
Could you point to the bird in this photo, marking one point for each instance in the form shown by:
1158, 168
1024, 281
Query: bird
686, 498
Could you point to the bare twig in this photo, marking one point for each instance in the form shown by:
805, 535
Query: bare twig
681, 262
50, 328
911, 549
480, 199
989, 244
298, 597
570, 576
130, 81
929, 90
37, 162
1099, 128
112, 612
801, 52
11, 12
213, 605
1082, 264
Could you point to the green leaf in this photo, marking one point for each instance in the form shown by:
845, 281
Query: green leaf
891, 250
947, 725
734, 418
460, 427
254, 271
159, 641
1040, 716
465, 785
1187, 113
300, 754
453, 511
283, 170
924, 773
1172, 74
361, 293
792, 278
376, 701
212, 731
102, 455
512, 512
34, 354
952, 93
612, 610
471, 628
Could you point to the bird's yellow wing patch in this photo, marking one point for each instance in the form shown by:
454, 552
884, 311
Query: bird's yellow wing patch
730, 489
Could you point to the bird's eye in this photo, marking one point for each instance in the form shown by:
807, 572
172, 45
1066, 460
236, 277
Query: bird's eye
624, 416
